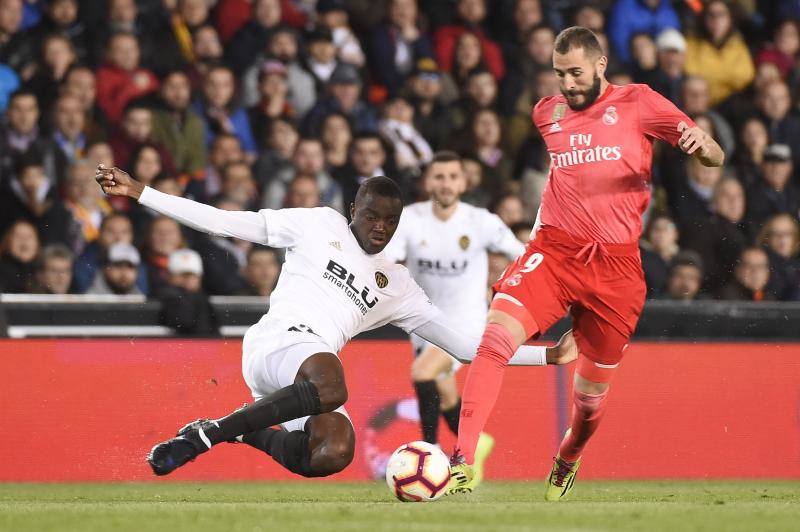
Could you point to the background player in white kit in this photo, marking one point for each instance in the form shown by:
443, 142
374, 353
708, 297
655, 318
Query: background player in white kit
335, 283
445, 244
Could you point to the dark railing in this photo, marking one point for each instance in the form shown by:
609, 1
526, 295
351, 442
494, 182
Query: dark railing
25, 315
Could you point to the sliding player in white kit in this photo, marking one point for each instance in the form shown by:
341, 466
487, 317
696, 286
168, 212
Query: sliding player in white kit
335, 283
445, 245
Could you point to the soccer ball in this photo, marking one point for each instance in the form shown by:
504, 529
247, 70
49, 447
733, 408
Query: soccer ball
418, 472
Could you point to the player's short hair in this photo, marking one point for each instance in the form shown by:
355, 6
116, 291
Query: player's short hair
443, 156
379, 186
578, 37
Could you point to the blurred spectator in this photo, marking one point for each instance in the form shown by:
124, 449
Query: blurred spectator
32, 196
207, 51
509, 208
668, 77
86, 202
367, 157
55, 59
177, 126
431, 115
238, 184
220, 111
336, 136
480, 92
774, 193
116, 228
308, 160
484, 144
498, 262
54, 273
119, 272
185, 307
9, 82
629, 17
536, 56
467, 58
343, 97
751, 276
19, 250
411, 150
590, 16
16, 46
527, 15
695, 97
719, 54
80, 83
685, 276
644, 54
225, 148
397, 44
283, 46
261, 272
163, 237
471, 15
749, 154
780, 237
135, 130
721, 237
253, 36
302, 192
775, 104
690, 197
146, 165
522, 230
121, 78
61, 17
273, 103
332, 14
477, 192
100, 152
19, 132
321, 58
68, 140
782, 51
658, 250
276, 157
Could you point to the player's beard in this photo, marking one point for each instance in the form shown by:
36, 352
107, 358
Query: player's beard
590, 95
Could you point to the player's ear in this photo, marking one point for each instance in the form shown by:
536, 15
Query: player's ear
352, 211
600, 65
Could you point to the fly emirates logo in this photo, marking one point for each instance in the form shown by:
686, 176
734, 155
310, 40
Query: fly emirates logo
582, 152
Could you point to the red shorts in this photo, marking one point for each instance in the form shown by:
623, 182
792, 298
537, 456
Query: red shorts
602, 286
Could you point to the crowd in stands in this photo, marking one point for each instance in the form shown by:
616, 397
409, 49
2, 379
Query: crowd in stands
249, 104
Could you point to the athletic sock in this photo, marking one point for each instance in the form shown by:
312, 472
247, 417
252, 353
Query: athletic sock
298, 400
587, 412
428, 399
451, 416
484, 381
290, 449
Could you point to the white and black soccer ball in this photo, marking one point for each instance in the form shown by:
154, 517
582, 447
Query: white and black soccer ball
418, 472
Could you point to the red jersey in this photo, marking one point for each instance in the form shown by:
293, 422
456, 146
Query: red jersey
601, 157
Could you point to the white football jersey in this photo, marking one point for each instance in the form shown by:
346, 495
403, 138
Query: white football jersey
332, 288
449, 259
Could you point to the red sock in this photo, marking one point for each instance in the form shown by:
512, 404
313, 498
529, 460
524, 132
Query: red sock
586, 416
483, 384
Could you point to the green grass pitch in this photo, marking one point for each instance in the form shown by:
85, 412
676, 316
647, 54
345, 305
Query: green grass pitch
310, 506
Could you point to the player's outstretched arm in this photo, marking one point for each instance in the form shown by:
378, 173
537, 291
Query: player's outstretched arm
249, 226
464, 345
694, 141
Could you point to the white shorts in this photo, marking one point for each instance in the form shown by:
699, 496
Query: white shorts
419, 346
268, 366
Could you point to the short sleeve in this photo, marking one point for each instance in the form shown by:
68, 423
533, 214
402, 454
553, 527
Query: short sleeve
499, 238
659, 118
285, 227
414, 308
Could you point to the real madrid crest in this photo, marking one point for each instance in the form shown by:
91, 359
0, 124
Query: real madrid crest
381, 280
610, 117
463, 242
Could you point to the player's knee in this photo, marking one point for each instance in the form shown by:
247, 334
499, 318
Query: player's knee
421, 372
325, 372
589, 403
337, 449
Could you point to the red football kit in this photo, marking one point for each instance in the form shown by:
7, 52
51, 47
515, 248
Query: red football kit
585, 256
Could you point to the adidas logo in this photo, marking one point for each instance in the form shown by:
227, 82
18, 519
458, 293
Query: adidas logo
336, 244
555, 127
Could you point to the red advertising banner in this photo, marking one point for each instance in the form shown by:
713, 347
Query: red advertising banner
80, 410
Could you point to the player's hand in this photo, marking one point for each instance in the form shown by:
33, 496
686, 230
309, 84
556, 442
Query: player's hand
116, 182
692, 139
564, 352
